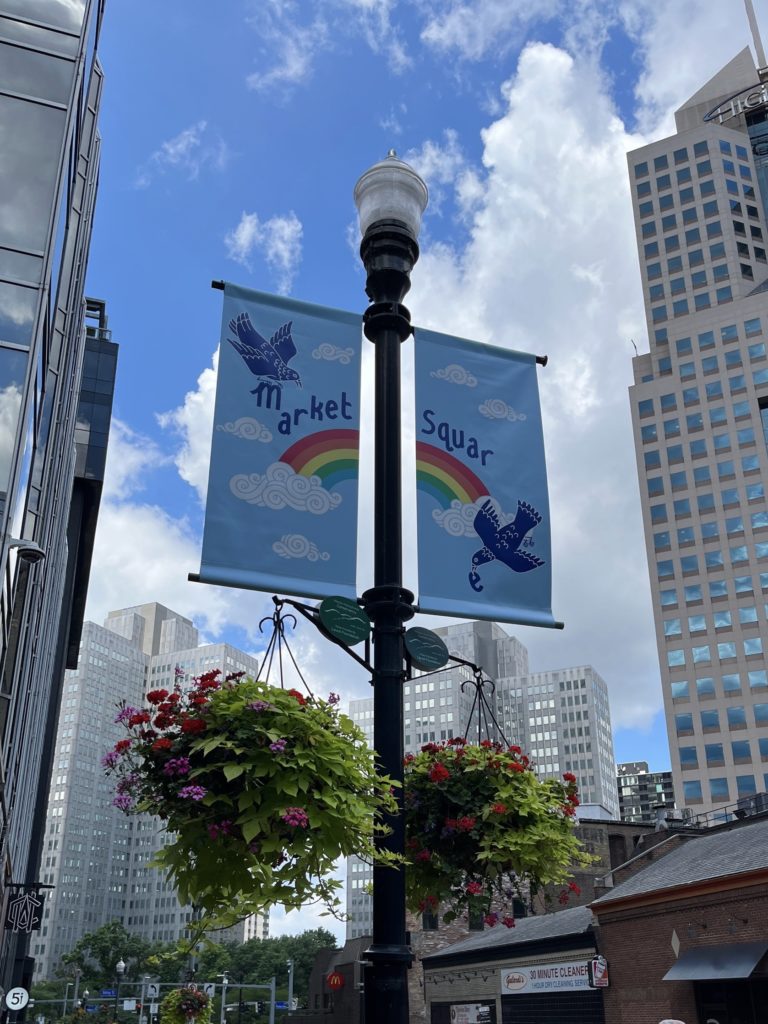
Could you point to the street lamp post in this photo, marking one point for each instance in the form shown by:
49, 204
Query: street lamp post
78, 972
289, 964
119, 972
66, 996
390, 199
224, 982
86, 993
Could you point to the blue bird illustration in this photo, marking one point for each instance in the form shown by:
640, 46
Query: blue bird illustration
267, 359
503, 542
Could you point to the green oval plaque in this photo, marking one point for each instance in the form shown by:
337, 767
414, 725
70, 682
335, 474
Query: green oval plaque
427, 650
344, 619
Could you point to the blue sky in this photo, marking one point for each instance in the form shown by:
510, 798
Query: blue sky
233, 134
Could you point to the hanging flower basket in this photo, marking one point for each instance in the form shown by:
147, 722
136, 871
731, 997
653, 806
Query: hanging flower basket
185, 1006
482, 828
262, 790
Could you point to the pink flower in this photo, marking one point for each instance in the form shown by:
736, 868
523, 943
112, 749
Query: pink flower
192, 793
278, 746
123, 802
176, 766
333, 698
295, 816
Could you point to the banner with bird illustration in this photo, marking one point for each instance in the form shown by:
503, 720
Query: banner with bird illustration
482, 502
281, 512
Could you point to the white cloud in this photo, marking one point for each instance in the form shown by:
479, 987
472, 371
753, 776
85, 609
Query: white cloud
439, 164
550, 267
131, 458
190, 151
293, 62
193, 422
477, 27
277, 239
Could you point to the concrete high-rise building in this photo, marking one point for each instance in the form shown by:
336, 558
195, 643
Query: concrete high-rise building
56, 383
95, 856
642, 793
561, 718
700, 417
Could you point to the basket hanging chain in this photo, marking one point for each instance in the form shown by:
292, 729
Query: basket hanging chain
484, 709
277, 641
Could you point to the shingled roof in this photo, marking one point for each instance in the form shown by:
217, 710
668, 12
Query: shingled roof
564, 923
722, 854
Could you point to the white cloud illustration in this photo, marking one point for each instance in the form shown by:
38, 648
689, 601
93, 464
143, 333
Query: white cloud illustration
295, 545
333, 354
497, 409
456, 374
280, 488
459, 520
248, 428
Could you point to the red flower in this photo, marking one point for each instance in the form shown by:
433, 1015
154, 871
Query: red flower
491, 919
569, 810
162, 721
198, 699
508, 922
423, 855
573, 799
193, 725
122, 745
299, 697
162, 744
569, 776
516, 766
439, 773
139, 718
209, 681
174, 698
157, 696
563, 897
515, 749
457, 741
408, 758
486, 743
499, 808
574, 888
474, 888
466, 824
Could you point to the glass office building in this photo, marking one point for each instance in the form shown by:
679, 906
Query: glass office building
700, 418
56, 383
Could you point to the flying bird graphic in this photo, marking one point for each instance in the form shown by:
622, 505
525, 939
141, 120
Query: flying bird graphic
503, 542
267, 359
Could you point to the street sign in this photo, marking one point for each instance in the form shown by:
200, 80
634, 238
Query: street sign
91, 1009
281, 1005
344, 619
210, 989
16, 998
427, 650
153, 990
129, 1004
109, 993
154, 1008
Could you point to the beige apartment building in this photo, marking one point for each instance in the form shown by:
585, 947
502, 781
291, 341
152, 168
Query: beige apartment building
700, 418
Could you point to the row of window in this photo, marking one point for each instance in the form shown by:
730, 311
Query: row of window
694, 421
701, 475
690, 565
729, 684
706, 339
729, 498
716, 589
725, 468
719, 791
725, 619
735, 718
714, 753
680, 156
686, 535
703, 654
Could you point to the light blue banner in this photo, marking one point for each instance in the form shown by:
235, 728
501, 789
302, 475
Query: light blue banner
483, 507
281, 513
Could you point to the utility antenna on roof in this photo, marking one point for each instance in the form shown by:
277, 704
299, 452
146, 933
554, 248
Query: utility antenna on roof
761, 61
634, 346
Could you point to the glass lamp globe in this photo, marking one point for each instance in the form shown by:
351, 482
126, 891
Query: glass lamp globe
391, 190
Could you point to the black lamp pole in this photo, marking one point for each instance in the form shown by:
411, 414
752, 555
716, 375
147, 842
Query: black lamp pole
389, 251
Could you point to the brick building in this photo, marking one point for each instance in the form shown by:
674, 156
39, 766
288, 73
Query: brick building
686, 936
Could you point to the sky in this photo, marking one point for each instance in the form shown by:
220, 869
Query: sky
232, 137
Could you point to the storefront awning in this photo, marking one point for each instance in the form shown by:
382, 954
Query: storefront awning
734, 961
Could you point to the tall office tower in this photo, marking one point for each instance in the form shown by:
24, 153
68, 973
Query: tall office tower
561, 718
50, 88
700, 418
95, 857
642, 793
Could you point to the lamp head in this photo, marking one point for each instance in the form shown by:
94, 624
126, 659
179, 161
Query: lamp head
391, 191
120, 966
27, 550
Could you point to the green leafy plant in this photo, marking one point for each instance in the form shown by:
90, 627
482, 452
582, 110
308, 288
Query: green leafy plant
262, 790
482, 828
185, 1005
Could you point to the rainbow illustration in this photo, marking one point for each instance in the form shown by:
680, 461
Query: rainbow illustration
445, 478
331, 455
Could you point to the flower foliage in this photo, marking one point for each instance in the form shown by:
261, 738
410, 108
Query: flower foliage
482, 828
185, 1004
262, 790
